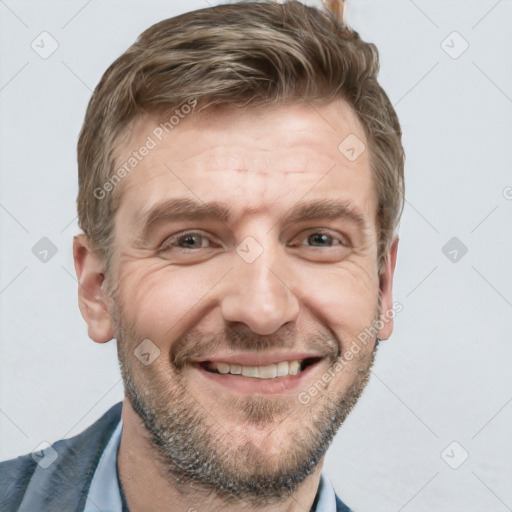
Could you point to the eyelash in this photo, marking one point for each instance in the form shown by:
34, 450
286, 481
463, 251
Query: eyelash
166, 245
168, 242
340, 238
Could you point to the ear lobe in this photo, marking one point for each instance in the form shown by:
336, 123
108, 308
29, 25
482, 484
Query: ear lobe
92, 301
386, 290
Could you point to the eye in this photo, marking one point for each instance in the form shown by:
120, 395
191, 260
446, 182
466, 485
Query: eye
320, 238
191, 240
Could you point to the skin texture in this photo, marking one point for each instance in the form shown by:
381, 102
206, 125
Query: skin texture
189, 440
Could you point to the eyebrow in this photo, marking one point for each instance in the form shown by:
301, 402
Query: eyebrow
179, 209
326, 209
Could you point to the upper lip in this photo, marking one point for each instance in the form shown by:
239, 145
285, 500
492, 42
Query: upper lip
252, 359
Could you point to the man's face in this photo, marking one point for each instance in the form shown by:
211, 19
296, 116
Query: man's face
246, 242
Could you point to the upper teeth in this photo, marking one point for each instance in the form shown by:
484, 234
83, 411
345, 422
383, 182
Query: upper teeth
269, 371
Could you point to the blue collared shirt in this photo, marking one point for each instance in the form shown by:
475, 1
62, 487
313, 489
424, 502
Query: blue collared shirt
104, 493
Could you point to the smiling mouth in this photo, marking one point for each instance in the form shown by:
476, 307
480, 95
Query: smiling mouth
269, 371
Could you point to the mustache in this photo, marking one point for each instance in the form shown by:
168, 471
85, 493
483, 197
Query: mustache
195, 345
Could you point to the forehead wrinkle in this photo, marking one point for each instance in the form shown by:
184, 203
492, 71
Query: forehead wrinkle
244, 157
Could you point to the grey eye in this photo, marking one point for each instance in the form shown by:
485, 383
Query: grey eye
320, 240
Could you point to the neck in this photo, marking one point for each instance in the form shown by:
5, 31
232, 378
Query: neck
149, 488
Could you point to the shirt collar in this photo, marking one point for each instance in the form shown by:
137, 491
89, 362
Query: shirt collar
104, 493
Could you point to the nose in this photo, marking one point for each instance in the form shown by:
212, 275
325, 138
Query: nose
258, 295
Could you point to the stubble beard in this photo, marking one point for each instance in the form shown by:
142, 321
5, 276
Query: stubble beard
199, 454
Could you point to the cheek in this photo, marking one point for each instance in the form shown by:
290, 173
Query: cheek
345, 299
163, 302
160, 300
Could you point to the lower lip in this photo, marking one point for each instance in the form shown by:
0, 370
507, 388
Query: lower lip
250, 385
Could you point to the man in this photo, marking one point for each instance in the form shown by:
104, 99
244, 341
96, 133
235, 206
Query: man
240, 187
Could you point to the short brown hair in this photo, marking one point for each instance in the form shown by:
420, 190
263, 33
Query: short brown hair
242, 54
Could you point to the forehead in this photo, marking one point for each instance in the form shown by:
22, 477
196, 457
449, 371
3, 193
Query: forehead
257, 160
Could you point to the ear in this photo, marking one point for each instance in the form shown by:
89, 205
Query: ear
386, 288
92, 300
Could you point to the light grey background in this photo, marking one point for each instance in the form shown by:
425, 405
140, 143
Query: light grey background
444, 376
